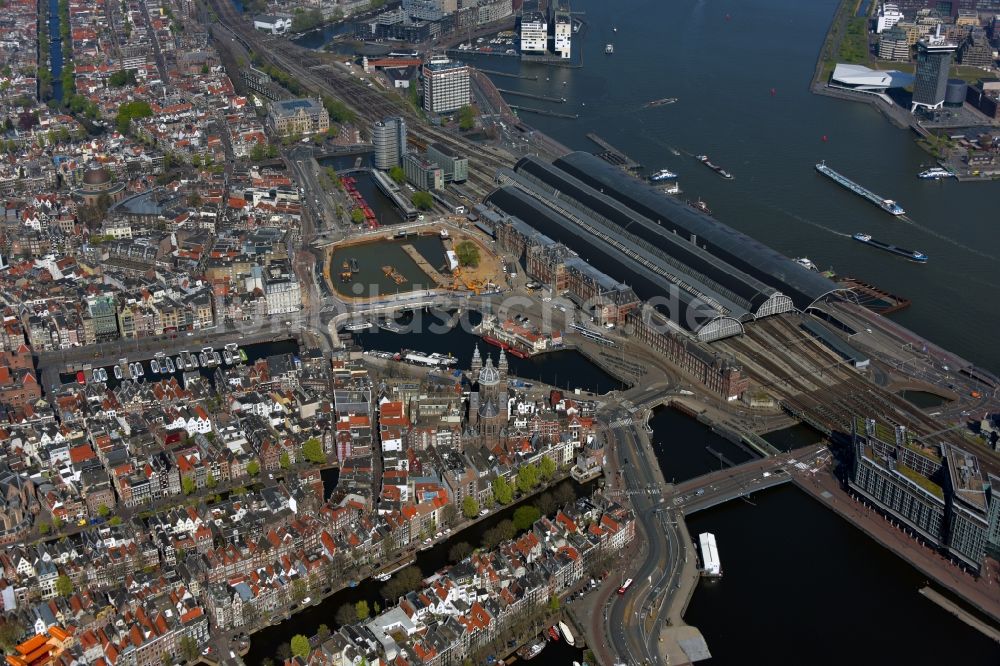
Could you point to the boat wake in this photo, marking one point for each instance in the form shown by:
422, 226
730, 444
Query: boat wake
908, 220
814, 224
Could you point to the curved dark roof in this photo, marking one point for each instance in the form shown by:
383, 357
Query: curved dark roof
689, 311
735, 248
96, 176
678, 246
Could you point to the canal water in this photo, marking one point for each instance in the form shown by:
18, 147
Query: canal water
721, 59
371, 280
803, 586
55, 50
426, 332
264, 643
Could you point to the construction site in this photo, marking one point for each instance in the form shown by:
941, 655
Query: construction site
413, 257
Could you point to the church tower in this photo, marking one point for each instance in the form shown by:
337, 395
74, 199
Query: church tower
477, 364
502, 366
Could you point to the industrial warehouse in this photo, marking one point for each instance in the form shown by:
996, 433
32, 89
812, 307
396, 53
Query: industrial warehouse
714, 278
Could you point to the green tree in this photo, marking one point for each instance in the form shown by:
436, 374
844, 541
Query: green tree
345, 615
503, 492
546, 467
285, 460
115, 521
466, 118
103, 511
312, 450
323, 631
527, 478
253, 468
525, 516
470, 507
422, 200
57, 523
397, 174
210, 481
299, 590
44, 528
64, 586
300, 646
546, 503
357, 216
130, 111
468, 253
188, 485
459, 552
361, 610
123, 77
189, 648
10, 634
554, 603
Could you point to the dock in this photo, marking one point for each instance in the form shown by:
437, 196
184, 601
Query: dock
613, 155
391, 190
493, 72
544, 98
875, 299
423, 265
544, 112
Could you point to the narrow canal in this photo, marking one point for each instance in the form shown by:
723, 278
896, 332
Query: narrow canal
265, 642
55, 50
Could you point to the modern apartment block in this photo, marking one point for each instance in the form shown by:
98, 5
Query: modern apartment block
446, 85
937, 491
389, 140
562, 21
456, 167
423, 174
534, 33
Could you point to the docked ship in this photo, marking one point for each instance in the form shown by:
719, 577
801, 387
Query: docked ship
714, 167
700, 205
912, 255
609, 49
662, 175
711, 564
935, 173
531, 651
567, 634
888, 205
354, 265
806, 262
390, 325
362, 325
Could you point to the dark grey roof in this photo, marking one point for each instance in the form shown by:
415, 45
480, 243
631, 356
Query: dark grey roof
834, 342
748, 255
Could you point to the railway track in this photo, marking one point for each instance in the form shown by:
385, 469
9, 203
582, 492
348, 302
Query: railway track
324, 75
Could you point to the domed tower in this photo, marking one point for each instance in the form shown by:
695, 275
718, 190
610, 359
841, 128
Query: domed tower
489, 380
492, 415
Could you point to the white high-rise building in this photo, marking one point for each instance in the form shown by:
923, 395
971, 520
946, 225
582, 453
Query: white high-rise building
534, 33
563, 23
446, 85
888, 16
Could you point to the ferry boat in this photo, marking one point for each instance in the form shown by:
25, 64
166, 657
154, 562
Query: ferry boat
888, 205
531, 651
390, 325
805, 262
118, 372
203, 359
661, 175
154, 366
935, 173
714, 167
216, 357
609, 49
170, 365
180, 362
567, 634
382, 577
101, 374
912, 255
227, 356
139, 370
357, 326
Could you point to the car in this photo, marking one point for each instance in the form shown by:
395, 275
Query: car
439, 535
700, 492
270, 476
82, 522
484, 512
189, 333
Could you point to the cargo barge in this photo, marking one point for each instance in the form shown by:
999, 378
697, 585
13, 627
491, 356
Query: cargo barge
714, 167
912, 255
888, 205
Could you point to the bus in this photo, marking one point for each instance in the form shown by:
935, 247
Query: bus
624, 588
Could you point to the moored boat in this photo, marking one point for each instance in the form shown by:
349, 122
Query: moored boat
566, 633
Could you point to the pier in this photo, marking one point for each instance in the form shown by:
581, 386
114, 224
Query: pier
544, 98
544, 112
391, 190
493, 72
873, 298
423, 265
613, 155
